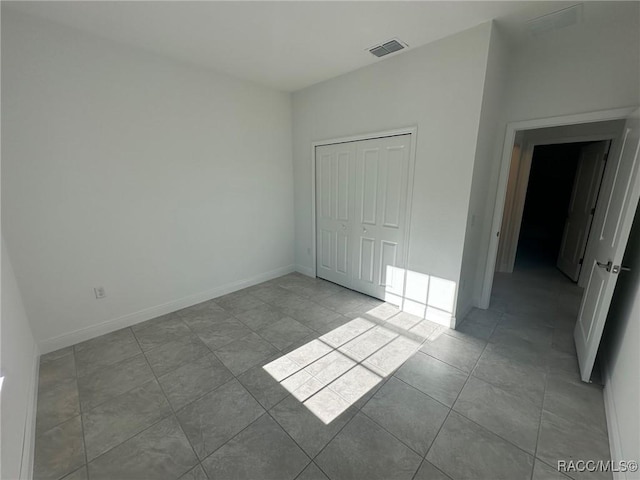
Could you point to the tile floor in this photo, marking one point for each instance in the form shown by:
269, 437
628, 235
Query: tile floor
301, 379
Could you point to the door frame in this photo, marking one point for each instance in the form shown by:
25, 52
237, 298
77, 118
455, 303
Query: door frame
513, 222
505, 164
413, 132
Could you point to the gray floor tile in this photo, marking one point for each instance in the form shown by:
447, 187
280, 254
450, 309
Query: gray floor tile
171, 355
355, 383
47, 357
312, 472
345, 301
116, 420
479, 316
404, 321
561, 439
563, 340
312, 315
577, 402
159, 331
506, 332
530, 331
455, 352
392, 356
266, 451
215, 418
344, 333
542, 471
407, 413
240, 355
56, 404
198, 319
260, 317
285, 332
263, 386
512, 375
206, 309
59, 451
309, 431
222, 333
513, 417
368, 343
363, 450
80, 474
475, 329
382, 312
105, 350
56, 370
464, 450
192, 380
428, 472
111, 381
239, 302
160, 452
196, 473
433, 377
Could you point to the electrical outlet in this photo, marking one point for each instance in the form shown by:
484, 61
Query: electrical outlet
100, 292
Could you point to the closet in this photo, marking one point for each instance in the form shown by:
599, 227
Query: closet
361, 210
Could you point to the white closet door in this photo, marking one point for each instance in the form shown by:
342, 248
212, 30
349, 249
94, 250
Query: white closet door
335, 181
381, 174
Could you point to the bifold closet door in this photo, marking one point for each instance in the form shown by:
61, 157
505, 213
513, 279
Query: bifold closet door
335, 183
382, 177
361, 203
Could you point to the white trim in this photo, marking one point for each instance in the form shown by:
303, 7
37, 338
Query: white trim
512, 128
305, 270
611, 414
514, 221
413, 131
87, 333
29, 434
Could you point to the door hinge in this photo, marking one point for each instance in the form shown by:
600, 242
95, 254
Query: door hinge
593, 211
580, 262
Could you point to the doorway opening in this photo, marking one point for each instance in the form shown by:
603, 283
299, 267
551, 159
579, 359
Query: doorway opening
603, 194
560, 200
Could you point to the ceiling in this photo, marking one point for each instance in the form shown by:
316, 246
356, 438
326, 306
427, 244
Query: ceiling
283, 45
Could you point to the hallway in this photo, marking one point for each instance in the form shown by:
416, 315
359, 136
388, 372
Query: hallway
531, 354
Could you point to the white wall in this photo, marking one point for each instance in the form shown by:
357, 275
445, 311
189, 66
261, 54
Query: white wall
163, 183
582, 68
621, 356
438, 88
488, 134
18, 364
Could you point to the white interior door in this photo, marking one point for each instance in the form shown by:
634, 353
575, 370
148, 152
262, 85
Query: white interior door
382, 171
582, 207
335, 181
611, 226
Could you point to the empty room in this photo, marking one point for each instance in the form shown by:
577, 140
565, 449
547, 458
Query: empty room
272, 240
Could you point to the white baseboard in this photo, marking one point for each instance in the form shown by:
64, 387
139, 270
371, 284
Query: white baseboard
29, 437
308, 271
615, 444
460, 315
108, 326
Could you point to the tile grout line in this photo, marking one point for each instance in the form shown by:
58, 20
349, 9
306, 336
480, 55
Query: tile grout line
84, 441
173, 411
435, 438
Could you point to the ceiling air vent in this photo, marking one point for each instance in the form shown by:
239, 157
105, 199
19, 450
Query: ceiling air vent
555, 21
386, 48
